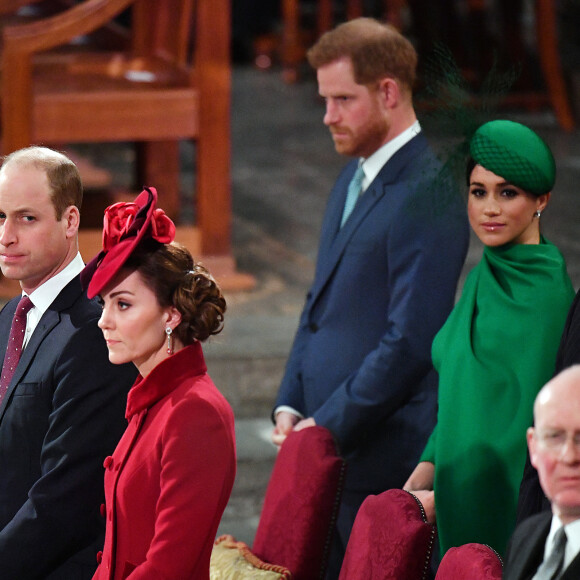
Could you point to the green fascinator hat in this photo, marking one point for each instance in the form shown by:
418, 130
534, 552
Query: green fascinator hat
516, 153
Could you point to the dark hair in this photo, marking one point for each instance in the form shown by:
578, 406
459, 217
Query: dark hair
470, 166
63, 176
169, 270
376, 50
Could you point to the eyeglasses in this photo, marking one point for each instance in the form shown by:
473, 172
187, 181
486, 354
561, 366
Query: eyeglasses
555, 440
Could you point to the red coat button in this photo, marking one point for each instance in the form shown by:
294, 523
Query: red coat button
108, 462
99, 557
103, 510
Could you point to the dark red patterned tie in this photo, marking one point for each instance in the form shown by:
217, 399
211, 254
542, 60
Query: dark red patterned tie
15, 340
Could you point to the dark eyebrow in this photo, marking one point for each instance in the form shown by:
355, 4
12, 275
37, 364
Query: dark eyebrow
21, 211
115, 294
501, 184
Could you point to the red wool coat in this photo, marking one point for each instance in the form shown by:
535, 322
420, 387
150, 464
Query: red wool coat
170, 477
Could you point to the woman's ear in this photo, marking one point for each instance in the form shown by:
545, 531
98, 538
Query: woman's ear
542, 201
173, 317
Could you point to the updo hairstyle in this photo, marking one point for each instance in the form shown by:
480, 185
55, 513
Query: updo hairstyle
169, 270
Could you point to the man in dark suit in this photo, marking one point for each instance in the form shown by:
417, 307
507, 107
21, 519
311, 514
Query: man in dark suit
388, 264
551, 539
62, 411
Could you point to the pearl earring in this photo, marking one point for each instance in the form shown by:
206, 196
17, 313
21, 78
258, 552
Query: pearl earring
168, 332
538, 213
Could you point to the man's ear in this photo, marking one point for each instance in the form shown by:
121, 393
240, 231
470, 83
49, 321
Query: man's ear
389, 92
531, 445
73, 219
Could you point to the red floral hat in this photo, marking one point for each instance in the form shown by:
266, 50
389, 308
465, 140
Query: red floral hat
125, 225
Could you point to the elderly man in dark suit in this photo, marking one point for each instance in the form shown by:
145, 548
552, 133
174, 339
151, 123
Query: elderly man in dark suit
392, 246
61, 401
547, 545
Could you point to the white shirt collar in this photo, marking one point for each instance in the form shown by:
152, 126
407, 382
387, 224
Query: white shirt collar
373, 164
45, 294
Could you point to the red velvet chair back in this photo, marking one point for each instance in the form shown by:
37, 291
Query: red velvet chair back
390, 539
473, 561
301, 504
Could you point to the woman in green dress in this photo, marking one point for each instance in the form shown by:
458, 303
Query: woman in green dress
498, 346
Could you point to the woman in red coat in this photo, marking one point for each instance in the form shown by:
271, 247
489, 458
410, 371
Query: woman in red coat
170, 477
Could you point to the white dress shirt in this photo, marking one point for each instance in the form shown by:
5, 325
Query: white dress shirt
45, 294
572, 540
372, 165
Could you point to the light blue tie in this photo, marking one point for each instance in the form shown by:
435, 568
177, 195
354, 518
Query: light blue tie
353, 193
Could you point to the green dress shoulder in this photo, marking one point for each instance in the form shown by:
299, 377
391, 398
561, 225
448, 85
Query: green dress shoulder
493, 354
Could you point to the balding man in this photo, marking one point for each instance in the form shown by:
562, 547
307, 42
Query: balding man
546, 545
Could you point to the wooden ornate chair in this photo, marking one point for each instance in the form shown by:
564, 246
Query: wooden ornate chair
171, 83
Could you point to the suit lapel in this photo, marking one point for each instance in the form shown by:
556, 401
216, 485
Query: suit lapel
335, 250
335, 239
5, 324
333, 214
45, 325
572, 572
531, 552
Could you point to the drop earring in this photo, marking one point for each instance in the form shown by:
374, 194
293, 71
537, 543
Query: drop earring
168, 332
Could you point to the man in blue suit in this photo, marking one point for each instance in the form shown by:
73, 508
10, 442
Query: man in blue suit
388, 263
62, 411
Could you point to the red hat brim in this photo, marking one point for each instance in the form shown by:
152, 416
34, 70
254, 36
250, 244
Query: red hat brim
105, 266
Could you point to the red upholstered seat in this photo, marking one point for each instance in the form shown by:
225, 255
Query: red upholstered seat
390, 539
301, 504
473, 561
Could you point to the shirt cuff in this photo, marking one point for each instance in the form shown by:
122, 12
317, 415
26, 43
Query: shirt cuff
287, 409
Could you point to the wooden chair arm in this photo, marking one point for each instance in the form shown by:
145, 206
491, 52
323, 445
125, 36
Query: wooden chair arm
60, 29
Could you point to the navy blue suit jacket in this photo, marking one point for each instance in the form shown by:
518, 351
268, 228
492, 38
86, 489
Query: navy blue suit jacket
525, 551
62, 415
384, 284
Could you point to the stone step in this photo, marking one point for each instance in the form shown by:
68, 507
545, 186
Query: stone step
247, 361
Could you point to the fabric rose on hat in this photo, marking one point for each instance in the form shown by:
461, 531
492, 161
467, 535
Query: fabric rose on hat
162, 228
117, 221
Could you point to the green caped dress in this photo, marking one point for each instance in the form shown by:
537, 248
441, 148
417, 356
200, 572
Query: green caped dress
493, 354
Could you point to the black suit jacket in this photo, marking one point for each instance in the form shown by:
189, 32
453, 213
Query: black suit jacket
62, 415
532, 498
526, 550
